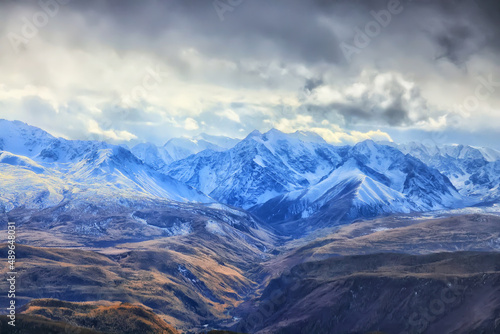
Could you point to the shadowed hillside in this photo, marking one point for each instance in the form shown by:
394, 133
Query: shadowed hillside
398, 234
393, 293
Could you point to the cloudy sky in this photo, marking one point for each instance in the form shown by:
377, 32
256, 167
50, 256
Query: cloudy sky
127, 70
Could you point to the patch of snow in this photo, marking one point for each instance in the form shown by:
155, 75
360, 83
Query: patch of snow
381, 229
258, 160
214, 227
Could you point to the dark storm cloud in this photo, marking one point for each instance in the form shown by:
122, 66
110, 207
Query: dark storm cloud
453, 41
395, 114
291, 29
368, 108
468, 27
255, 28
312, 84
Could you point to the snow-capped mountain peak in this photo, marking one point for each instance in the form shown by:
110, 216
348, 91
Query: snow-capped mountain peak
277, 176
22, 139
221, 141
474, 171
308, 137
38, 170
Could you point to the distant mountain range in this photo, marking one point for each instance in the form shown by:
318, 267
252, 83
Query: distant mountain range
474, 171
180, 148
283, 179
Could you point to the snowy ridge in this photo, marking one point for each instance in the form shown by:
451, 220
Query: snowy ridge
474, 171
372, 180
22, 139
175, 149
20, 161
282, 176
260, 167
277, 176
38, 170
156, 157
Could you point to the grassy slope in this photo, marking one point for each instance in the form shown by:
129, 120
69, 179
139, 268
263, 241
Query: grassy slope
107, 317
150, 276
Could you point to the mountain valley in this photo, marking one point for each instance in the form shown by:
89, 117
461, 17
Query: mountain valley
274, 233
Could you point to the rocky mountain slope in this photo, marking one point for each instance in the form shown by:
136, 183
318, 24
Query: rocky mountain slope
179, 148
39, 171
371, 180
289, 180
475, 171
224, 269
258, 168
186, 281
383, 293
287, 177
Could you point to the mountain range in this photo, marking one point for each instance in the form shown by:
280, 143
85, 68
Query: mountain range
475, 171
274, 233
290, 181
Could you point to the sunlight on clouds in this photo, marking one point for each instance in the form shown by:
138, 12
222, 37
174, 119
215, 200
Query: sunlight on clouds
433, 124
332, 133
113, 135
229, 114
300, 122
190, 124
350, 137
